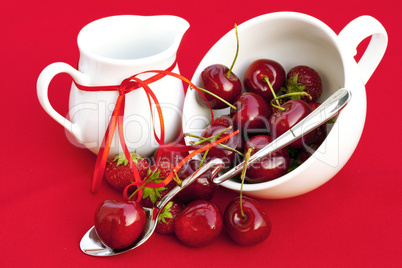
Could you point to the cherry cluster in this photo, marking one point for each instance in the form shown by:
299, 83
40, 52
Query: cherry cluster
266, 103
271, 103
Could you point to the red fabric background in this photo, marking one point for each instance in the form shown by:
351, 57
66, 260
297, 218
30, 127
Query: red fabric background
354, 220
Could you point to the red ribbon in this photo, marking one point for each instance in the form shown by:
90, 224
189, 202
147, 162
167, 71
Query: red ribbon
128, 85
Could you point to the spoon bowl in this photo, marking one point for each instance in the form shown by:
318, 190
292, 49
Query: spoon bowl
92, 245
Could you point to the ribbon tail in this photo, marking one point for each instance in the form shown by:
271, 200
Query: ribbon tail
104, 149
133, 167
150, 94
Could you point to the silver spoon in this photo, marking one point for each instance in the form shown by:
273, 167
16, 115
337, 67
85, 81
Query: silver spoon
327, 110
92, 245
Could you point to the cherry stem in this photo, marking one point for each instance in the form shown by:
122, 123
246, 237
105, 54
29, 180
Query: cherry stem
205, 156
176, 178
242, 176
204, 139
219, 98
213, 140
278, 106
302, 93
237, 52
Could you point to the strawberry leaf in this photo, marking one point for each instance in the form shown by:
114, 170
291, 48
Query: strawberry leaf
292, 86
121, 159
154, 194
166, 214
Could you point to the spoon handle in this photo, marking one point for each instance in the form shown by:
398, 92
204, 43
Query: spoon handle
327, 110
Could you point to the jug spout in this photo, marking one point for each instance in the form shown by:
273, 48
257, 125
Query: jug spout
172, 29
180, 26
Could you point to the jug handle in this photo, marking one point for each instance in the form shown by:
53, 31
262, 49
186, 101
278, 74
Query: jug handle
355, 32
42, 88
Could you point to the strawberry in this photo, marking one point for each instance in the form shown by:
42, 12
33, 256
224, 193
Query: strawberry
304, 78
118, 173
168, 216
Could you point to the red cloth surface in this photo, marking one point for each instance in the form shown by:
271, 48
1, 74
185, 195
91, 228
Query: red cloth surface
354, 220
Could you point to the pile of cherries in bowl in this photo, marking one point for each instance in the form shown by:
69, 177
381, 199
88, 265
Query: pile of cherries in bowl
266, 104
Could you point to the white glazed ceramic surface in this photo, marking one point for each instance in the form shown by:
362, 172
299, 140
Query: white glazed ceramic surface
293, 39
111, 50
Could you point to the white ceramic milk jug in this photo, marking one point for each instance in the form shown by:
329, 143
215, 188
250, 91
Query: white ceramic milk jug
113, 49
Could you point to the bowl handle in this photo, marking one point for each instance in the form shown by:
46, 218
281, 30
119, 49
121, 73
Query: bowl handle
355, 32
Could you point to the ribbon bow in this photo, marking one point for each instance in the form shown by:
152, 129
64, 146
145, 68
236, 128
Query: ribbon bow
128, 85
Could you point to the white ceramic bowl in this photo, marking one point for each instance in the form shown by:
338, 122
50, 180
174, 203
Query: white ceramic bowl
293, 39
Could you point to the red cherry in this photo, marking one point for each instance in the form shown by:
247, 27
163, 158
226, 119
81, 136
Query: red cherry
251, 227
119, 224
219, 85
255, 76
220, 127
215, 80
283, 120
321, 131
306, 152
270, 167
251, 115
199, 224
203, 188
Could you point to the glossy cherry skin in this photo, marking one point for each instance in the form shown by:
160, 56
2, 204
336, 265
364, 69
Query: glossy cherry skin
203, 188
228, 156
270, 167
119, 224
252, 114
281, 121
253, 77
215, 80
199, 224
320, 132
254, 228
